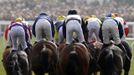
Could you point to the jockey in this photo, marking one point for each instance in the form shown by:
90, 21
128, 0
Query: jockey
16, 35
59, 28
28, 32
126, 29
43, 25
121, 21
6, 34
73, 23
111, 29
93, 26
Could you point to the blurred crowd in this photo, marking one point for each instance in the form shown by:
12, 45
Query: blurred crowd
30, 8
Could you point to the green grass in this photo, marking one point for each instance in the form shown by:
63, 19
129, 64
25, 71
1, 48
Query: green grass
3, 44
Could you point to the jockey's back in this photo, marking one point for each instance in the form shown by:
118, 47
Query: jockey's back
43, 28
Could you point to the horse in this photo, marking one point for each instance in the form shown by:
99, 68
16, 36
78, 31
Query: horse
95, 50
73, 59
111, 60
44, 58
127, 60
17, 63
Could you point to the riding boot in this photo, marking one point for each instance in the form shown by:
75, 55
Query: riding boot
123, 49
8, 47
27, 50
57, 44
35, 42
11, 54
29, 44
85, 44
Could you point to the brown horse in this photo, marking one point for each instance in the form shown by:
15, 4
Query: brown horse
44, 58
73, 59
17, 63
111, 60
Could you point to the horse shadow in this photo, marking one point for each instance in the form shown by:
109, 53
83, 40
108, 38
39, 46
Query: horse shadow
17, 63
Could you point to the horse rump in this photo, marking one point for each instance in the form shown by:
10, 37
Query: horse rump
16, 63
111, 61
74, 60
72, 64
44, 58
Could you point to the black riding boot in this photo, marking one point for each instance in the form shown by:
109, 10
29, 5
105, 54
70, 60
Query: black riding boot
13, 51
35, 42
85, 44
9, 57
27, 50
8, 47
123, 49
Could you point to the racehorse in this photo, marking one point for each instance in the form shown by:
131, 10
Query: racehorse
73, 59
44, 58
17, 63
111, 60
95, 50
127, 60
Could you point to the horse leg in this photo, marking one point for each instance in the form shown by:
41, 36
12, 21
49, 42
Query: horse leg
126, 73
95, 73
127, 67
38, 71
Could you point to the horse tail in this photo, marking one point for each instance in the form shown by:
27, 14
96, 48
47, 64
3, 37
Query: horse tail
72, 64
73, 56
106, 59
44, 55
109, 58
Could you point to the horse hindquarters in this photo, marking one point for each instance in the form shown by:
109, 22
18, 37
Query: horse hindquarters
44, 58
72, 64
106, 62
111, 61
127, 62
74, 60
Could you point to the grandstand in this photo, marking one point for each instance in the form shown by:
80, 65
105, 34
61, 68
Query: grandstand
30, 8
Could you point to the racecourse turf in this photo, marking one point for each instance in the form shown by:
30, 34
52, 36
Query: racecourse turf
3, 44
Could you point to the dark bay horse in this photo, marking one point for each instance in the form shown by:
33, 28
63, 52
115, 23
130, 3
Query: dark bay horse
44, 58
95, 50
17, 63
73, 59
127, 60
111, 61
